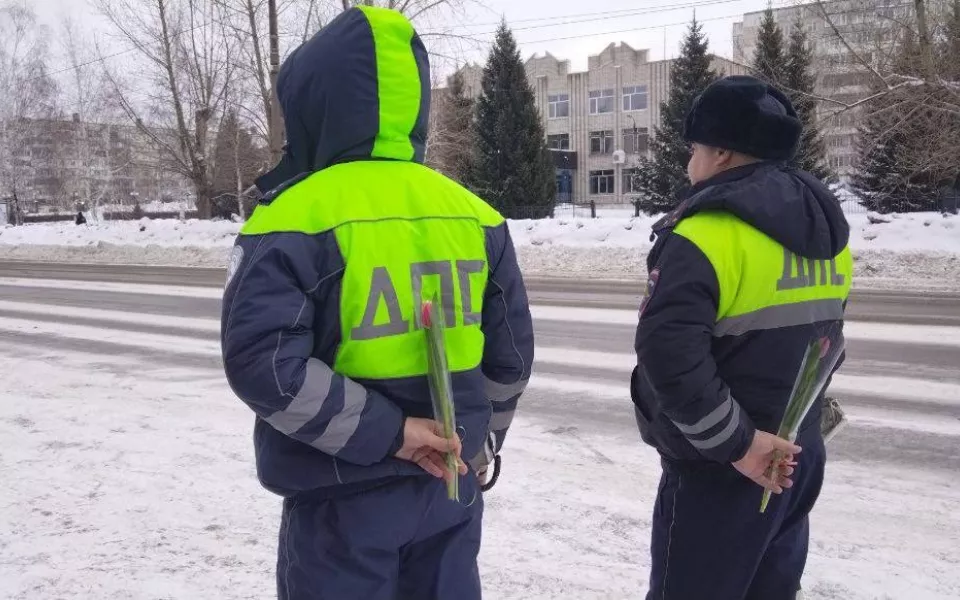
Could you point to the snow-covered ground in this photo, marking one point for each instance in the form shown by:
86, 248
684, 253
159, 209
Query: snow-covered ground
911, 250
124, 478
127, 463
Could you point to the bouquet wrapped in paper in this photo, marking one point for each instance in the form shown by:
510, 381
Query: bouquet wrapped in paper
816, 367
441, 390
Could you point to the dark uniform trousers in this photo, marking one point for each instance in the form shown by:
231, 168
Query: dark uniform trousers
710, 541
401, 541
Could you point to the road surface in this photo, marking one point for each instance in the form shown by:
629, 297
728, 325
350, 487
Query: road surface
900, 385
899, 363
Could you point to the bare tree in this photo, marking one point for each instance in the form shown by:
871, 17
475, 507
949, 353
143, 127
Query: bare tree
91, 162
450, 141
28, 94
914, 95
267, 30
186, 68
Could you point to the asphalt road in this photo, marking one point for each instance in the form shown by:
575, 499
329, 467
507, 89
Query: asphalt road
898, 440
933, 308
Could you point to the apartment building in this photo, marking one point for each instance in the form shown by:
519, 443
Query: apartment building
598, 122
867, 30
55, 163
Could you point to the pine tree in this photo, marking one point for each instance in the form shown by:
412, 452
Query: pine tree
800, 81
769, 57
689, 76
513, 168
646, 180
451, 135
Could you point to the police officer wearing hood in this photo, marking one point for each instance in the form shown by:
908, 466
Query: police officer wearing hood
321, 328
743, 272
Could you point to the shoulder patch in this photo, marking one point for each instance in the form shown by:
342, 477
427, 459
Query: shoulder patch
651, 286
236, 259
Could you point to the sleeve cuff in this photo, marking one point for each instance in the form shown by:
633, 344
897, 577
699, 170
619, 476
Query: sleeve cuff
398, 440
723, 435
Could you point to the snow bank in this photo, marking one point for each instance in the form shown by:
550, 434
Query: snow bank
919, 250
145, 232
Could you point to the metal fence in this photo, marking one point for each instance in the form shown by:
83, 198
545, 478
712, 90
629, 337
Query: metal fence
108, 216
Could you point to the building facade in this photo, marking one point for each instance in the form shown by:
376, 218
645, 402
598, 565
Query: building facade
53, 165
843, 35
598, 122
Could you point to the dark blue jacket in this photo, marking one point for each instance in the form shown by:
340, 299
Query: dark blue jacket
703, 384
356, 127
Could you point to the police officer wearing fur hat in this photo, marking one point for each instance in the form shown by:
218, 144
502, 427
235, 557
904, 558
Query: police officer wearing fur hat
743, 273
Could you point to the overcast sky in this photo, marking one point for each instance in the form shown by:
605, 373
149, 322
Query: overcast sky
569, 29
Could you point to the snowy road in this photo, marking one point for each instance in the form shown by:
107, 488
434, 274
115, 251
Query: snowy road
127, 467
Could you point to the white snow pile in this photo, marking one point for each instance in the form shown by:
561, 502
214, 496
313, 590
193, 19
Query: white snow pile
890, 249
147, 241
912, 232
161, 232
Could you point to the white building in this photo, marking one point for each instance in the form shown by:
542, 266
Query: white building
598, 121
867, 31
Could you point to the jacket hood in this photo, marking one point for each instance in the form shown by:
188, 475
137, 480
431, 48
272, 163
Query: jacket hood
793, 207
358, 89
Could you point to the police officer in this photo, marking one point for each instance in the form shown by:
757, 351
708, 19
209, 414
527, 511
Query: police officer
744, 273
321, 329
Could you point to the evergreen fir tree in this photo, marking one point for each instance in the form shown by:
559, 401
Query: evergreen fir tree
645, 179
451, 136
513, 168
800, 81
689, 76
769, 57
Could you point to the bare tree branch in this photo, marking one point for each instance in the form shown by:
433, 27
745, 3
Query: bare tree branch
843, 40
188, 47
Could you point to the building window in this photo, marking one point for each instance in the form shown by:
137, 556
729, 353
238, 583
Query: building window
559, 106
629, 186
636, 140
601, 101
841, 161
846, 119
601, 182
635, 98
601, 142
836, 80
560, 141
840, 141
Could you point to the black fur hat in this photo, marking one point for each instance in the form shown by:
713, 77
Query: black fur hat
746, 115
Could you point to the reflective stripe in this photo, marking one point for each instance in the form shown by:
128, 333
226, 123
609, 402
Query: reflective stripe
501, 420
381, 286
501, 392
342, 427
465, 268
398, 82
783, 315
486, 454
723, 436
308, 402
715, 416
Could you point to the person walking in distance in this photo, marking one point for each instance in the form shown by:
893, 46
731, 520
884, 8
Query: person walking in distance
321, 330
730, 310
